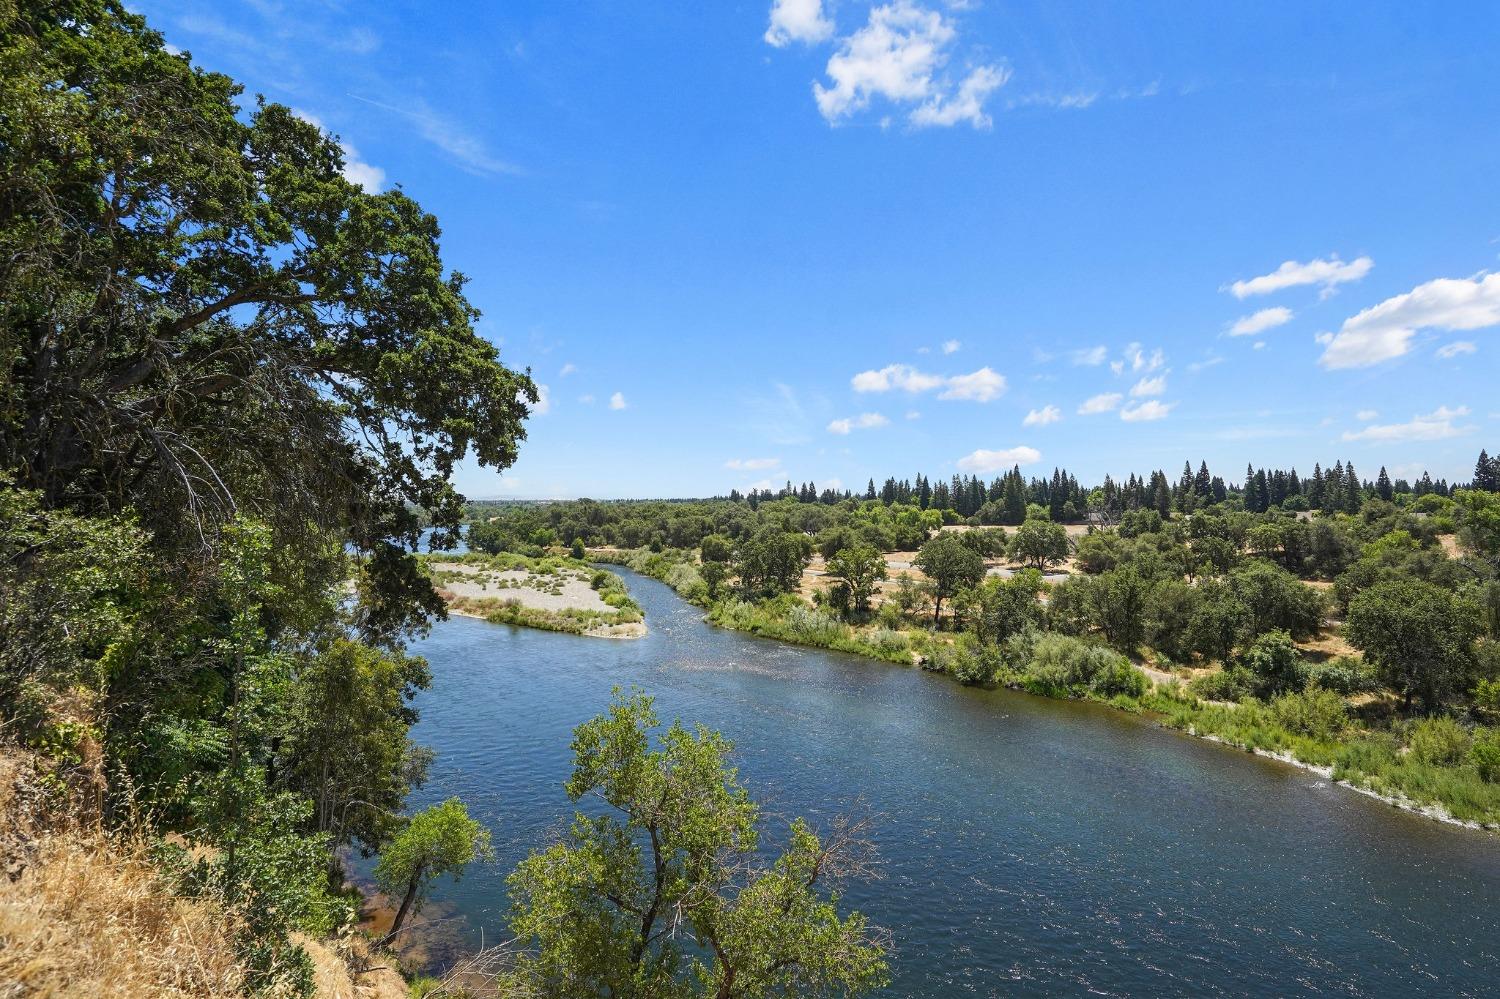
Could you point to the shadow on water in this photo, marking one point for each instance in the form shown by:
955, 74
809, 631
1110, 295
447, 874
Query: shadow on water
1029, 847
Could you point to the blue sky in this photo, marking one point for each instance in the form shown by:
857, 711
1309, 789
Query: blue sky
741, 243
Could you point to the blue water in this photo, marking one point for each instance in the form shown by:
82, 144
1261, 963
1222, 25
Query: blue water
1028, 846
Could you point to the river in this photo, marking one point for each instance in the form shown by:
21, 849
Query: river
1028, 846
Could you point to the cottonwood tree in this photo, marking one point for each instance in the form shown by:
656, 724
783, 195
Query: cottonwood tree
661, 890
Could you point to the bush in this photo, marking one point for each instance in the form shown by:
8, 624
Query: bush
1344, 675
1320, 714
1275, 663
1438, 742
1485, 754
1060, 663
1230, 684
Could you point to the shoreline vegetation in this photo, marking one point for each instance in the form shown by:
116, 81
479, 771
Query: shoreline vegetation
1268, 730
552, 593
1338, 623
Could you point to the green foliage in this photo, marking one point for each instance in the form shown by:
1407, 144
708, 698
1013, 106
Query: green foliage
1039, 543
1059, 663
1229, 684
1344, 675
772, 561
1485, 754
679, 846
437, 841
859, 569
1438, 742
1320, 714
1275, 663
1276, 600
1418, 636
949, 565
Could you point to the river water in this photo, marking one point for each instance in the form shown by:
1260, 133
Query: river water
1028, 846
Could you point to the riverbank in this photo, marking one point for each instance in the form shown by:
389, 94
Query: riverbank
550, 594
1371, 762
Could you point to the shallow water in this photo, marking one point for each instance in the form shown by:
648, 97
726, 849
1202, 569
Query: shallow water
1028, 846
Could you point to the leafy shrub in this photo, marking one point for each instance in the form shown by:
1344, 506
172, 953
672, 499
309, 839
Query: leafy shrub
1063, 663
1320, 714
1485, 754
1438, 742
1230, 684
1275, 663
1344, 675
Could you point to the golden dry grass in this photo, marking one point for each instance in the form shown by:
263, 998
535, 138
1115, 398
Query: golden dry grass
88, 919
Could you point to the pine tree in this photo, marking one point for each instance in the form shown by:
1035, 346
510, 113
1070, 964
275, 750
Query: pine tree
1383, 487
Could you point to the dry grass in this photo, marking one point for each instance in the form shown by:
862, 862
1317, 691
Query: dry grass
85, 915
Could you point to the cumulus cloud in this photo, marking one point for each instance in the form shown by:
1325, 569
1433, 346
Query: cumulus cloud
1433, 426
567, 369
1457, 347
864, 421
951, 346
752, 464
1151, 409
994, 461
1327, 274
1042, 417
1385, 331
1090, 357
617, 401
1366, 415
1149, 386
1259, 322
898, 56
798, 21
978, 386
1104, 402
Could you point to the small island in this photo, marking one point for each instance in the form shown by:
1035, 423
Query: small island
552, 593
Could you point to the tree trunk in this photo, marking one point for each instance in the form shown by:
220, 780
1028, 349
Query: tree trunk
937, 612
406, 903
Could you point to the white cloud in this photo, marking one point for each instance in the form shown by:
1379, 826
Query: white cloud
912, 414
1366, 415
1206, 363
543, 404
1259, 322
798, 21
586, 399
1141, 361
1327, 273
752, 464
898, 56
1090, 357
864, 421
1104, 402
567, 369
617, 401
1042, 417
1149, 386
966, 105
1385, 331
895, 376
833, 482
951, 346
979, 386
1151, 409
1433, 426
995, 461
1452, 350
